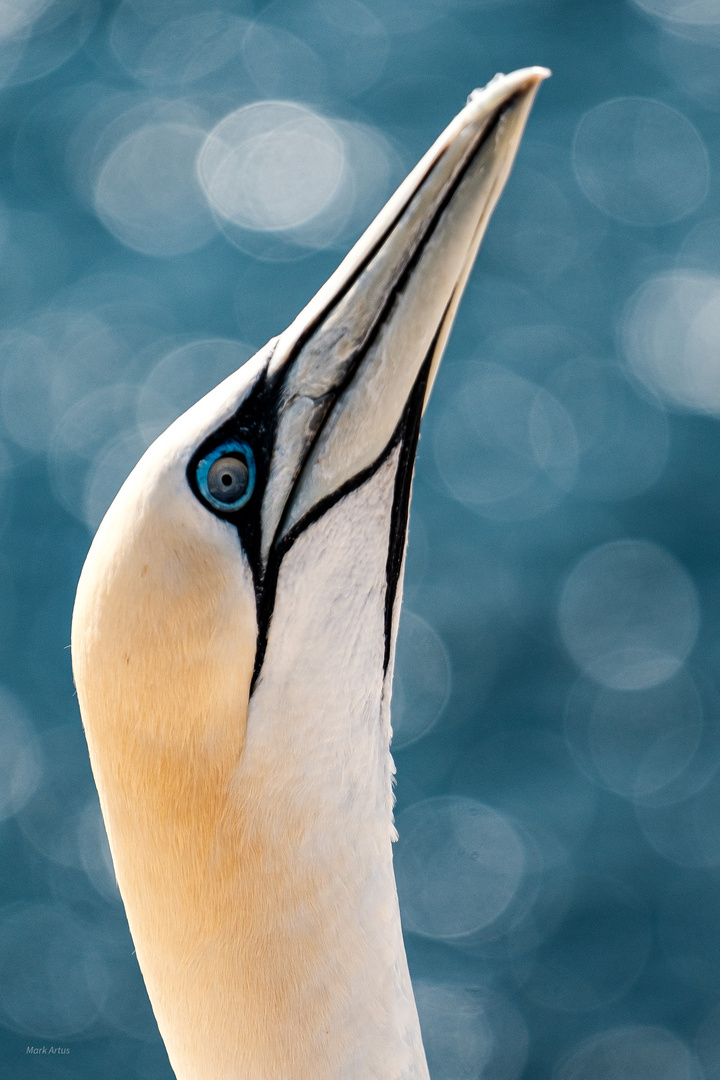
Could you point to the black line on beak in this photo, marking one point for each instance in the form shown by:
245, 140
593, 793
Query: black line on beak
414, 257
403, 490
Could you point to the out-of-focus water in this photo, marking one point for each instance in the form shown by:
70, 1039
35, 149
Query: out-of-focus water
177, 178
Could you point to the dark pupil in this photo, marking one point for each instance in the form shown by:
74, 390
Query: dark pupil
228, 479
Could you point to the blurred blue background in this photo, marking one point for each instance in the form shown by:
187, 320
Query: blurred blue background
177, 178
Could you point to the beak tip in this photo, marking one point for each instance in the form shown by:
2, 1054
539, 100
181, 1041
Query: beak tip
501, 87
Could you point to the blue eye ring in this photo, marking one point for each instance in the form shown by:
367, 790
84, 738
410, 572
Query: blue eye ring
242, 452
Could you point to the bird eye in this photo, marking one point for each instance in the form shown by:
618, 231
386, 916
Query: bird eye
226, 476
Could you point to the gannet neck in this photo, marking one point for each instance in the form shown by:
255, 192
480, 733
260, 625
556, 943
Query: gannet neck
254, 855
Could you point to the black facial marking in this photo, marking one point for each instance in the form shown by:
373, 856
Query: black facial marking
406, 434
403, 490
254, 423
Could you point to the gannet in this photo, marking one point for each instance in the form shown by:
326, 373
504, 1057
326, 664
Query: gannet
233, 641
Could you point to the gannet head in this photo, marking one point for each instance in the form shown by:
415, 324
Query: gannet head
233, 640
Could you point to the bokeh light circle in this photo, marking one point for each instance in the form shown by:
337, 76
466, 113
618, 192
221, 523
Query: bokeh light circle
457, 1035
671, 338
177, 51
629, 614
458, 865
685, 831
640, 161
691, 12
50, 363
46, 961
82, 433
504, 446
637, 742
184, 375
271, 166
39, 36
19, 15
281, 65
642, 1052
147, 194
469, 1033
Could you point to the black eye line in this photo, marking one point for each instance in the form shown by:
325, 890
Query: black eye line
247, 519
254, 423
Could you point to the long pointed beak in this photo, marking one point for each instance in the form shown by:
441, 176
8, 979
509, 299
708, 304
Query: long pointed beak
365, 350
